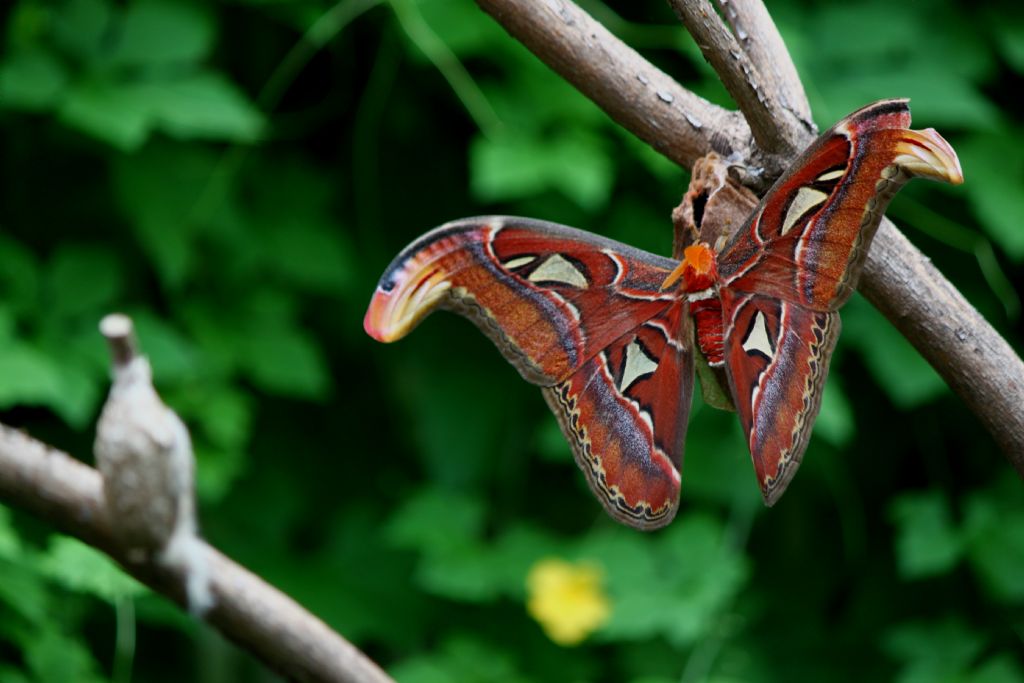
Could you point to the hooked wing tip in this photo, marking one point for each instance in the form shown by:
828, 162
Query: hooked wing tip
375, 320
395, 311
925, 153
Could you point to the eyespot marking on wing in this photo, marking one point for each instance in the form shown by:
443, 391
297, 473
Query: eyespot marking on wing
757, 339
636, 366
557, 268
519, 262
831, 176
805, 200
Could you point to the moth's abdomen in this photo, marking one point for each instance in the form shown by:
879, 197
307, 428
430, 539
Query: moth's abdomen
707, 317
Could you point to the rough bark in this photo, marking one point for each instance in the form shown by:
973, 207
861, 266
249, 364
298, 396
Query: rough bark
758, 36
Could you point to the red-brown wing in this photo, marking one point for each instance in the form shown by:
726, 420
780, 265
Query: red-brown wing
784, 275
807, 239
580, 315
549, 296
777, 355
625, 413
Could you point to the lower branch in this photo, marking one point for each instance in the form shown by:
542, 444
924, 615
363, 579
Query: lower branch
254, 614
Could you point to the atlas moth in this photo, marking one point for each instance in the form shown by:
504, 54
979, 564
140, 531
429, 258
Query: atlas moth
609, 332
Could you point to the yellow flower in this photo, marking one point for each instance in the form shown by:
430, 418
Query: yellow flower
567, 599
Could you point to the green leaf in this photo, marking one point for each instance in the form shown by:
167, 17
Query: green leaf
223, 412
927, 543
509, 167
550, 442
171, 354
482, 572
80, 27
936, 96
896, 365
516, 166
19, 276
52, 371
283, 359
835, 422
436, 520
717, 466
78, 567
317, 257
464, 29
995, 538
10, 543
460, 659
515, 552
24, 592
120, 115
938, 652
205, 106
80, 391
445, 527
1002, 668
465, 574
159, 190
11, 675
217, 470
53, 657
82, 279
291, 211
31, 80
531, 99
1010, 37
675, 586
30, 377
943, 76
453, 444
993, 163
164, 32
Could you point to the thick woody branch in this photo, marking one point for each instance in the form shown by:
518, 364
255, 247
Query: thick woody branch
249, 611
760, 39
741, 78
978, 364
642, 98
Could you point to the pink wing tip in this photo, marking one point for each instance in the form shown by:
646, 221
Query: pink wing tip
375, 320
925, 153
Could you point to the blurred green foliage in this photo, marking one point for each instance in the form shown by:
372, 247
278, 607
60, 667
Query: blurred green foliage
237, 174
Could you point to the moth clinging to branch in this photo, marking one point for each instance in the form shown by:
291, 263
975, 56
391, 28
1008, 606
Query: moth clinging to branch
608, 331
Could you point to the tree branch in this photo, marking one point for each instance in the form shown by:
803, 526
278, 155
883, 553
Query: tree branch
760, 39
978, 364
741, 78
247, 610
